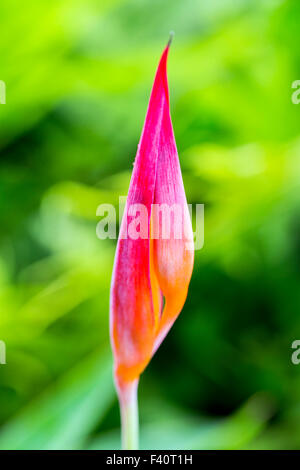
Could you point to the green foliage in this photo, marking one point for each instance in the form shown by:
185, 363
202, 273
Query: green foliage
78, 75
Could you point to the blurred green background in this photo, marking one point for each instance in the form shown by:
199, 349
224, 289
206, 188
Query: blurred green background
78, 76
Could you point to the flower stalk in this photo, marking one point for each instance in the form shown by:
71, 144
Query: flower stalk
129, 415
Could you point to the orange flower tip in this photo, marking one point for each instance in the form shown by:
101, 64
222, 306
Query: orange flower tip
172, 34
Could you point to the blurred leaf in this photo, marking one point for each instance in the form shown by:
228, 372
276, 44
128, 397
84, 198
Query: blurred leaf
184, 432
65, 414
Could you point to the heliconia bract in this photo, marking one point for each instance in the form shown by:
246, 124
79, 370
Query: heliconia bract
151, 272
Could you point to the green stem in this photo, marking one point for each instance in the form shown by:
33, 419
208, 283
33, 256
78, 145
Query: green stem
129, 416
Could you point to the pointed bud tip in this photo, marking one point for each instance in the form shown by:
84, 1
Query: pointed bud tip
172, 34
